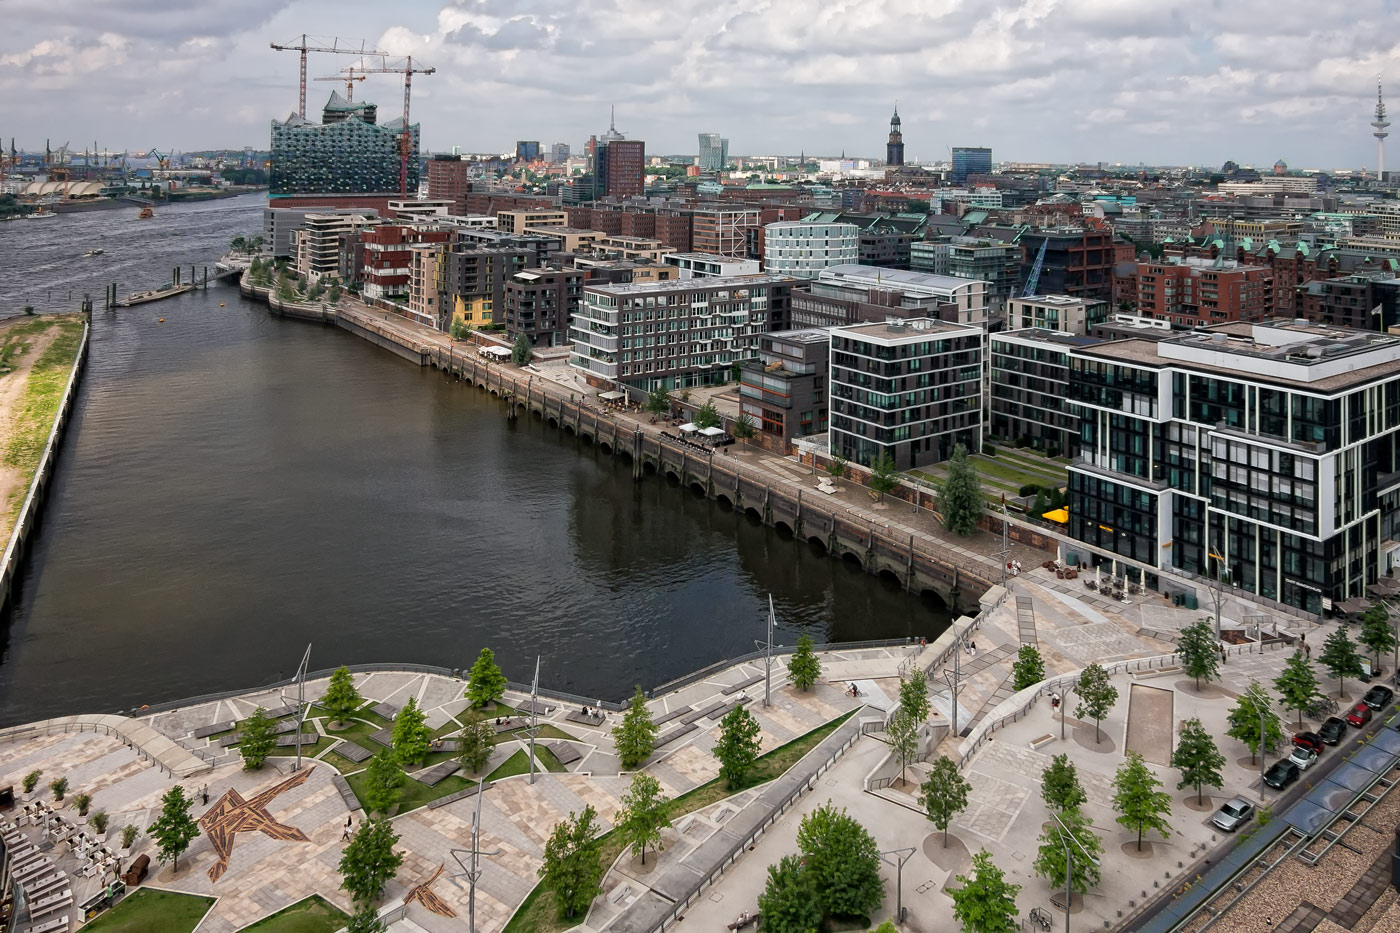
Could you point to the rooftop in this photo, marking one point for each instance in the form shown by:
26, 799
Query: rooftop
804, 335
1045, 335
914, 282
689, 285
908, 329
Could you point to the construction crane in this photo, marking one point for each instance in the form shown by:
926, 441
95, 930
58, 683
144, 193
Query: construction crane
405, 67
163, 158
1033, 280
350, 78
331, 44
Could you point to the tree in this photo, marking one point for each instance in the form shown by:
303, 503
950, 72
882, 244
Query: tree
1040, 506
944, 794
1197, 758
843, 860
1028, 668
644, 813
411, 734
365, 920
1050, 859
369, 861
985, 903
383, 778
738, 746
1059, 785
256, 740
1140, 805
708, 416
1096, 695
487, 683
836, 467
1340, 657
635, 736
1298, 686
744, 428
883, 477
659, 402
789, 902
334, 295
174, 829
913, 697
804, 667
903, 738
1252, 712
474, 743
961, 498
522, 352
1376, 632
573, 865
1199, 652
341, 699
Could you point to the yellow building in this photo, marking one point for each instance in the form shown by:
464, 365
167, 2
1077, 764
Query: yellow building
474, 310
517, 221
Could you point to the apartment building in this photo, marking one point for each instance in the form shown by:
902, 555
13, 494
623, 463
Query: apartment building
516, 221
802, 249
724, 231
1193, 291
318, 241
387, 264
784, 390
1056, 313
1027, 387
472, 282
708, 265
961, 301
539, 303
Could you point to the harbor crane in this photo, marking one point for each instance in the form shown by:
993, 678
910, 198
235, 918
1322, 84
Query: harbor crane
330, 44
349, 78
408, 69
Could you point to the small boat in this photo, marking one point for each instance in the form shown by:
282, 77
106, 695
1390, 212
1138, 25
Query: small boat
94, 252
146, 214
40, 215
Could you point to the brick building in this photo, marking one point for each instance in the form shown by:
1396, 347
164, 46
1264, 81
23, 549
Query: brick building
447, 179
1197, 292
388, 260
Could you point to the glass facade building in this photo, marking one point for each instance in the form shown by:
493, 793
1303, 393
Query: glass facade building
970, 161
714, 153
347, 153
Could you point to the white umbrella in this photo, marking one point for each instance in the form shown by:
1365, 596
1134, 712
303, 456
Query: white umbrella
1098, 571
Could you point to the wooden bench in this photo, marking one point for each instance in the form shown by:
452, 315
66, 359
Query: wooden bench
742, 685
507, 724
386, 709
704, 713
673, 714
281, 711
354, 751
56, 925
595, 720
206, 731
532, 706
743, 921
566, 753
47, 905
384, 737
439, 773
288, 741
347, 796
1041, 741
460, 795
671, 735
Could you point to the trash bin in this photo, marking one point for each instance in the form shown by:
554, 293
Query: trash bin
1191, 601
1072, 559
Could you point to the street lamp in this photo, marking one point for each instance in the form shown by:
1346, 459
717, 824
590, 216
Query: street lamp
1066, 837
955, 681
1263, 711
1218, 591
900, 856
473, 872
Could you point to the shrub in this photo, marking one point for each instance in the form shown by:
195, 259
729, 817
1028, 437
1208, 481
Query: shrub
59, 786
82, 802
1030, 489
31, 780
98, 821
129, 834
989, 450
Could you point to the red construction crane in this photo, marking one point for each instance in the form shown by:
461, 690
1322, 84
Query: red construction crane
330, 44
405, 67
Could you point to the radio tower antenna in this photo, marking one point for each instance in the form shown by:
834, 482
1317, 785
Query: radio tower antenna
1381, 124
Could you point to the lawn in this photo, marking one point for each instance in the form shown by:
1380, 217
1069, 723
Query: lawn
308, 749
519, 763
312, 915
414, 794
150, 911
34, 411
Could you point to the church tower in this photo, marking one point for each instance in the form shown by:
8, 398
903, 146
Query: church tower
894, 151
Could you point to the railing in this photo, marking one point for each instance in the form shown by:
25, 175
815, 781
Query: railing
671, 686
21, 733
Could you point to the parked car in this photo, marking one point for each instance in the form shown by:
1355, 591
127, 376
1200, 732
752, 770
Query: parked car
1360, 714
1332, 730
1283, 773
1303, 757
1308, 740
1233, 814
1378, 697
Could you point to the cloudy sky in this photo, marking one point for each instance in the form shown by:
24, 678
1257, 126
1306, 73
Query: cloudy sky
1158, 81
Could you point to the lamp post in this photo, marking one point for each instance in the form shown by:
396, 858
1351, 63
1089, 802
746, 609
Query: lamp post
768, 655
1066, 837
473, 872
955, 681
1263, 711
897, 858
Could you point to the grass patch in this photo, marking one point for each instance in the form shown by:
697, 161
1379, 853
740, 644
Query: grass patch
519, 763
312, 915
547, 758
38, 405
307, 750
341, 763
414, 794
151, 911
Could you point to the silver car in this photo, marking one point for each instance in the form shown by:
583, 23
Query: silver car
1304, 758
1233, 814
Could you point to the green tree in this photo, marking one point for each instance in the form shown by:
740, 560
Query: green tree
174, 829
474, 743
383, 782
986, 902
1050, 859
883, 476
341, 699
370, 861
1040, 506
738, 746
1096, 695
902, 736
1059, 785
708, 416
836, 467
460, 329
411, 734
944, 794
635, 737
256, 739
365, 920
645, 812
961, 498
1199, 652
843, 860
1245, 718
1298, 686
659, 402
1028, 668
1376, 632
789, 902
744, 428
522, 353
487, 684
1140, 805
913, 697
334, 295
1340, 657
804, 667
1197, 758
573, 864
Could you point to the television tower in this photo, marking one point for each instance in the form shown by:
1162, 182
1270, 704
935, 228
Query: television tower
1380, 123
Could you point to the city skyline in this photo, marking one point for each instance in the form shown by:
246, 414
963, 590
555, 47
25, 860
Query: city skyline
1064, 83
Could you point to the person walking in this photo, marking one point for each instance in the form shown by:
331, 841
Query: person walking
345, 833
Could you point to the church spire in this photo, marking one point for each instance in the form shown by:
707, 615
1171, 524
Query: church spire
894, 151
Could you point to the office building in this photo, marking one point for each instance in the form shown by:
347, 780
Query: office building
708, 265
970, 161
983, 260
783, 390
527, 150
539, 303
1055, 313
1368, 301
1078, 261
559, 153
1266, 453
714, 153
447, 180
1028, 384
725, 231
674, 335
346, 154
910, 390
801, 249
1194, 292
961, 301
619, 168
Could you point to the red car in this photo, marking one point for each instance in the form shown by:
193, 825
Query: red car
1309, 740
1360, 715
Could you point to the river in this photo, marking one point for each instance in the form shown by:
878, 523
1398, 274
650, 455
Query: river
234, 486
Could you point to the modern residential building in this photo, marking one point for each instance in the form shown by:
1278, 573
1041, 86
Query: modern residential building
388, 258
539, 303
714, 153
423, 297
908, 389
885, 247
619, 168
347, 153
280, 223
961, 301
724, 231
1193, 291
706, 265
632, 247
1056, 313
970, 161
318, 241
1265, 453
516, 221
472, 282
674, 335
801, 249
1078, 261
447, 179
1368, 301
1027, 388
783, 390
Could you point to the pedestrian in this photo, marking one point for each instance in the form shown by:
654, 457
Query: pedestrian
204, 792
345, 833
1307, 650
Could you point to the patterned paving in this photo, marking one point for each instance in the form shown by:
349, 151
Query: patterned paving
423, 894
232, 815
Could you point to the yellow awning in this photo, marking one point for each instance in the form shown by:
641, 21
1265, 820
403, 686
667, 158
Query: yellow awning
1058, 515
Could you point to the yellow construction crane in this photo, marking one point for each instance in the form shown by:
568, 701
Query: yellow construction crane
349, 78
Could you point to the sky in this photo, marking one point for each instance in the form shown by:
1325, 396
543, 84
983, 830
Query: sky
1156, 81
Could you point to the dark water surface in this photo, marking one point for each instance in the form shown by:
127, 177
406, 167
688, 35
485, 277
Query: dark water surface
234, 486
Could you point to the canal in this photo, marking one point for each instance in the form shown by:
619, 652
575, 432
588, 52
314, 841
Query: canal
234, 486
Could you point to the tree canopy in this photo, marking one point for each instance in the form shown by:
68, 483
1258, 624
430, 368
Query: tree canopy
256, 739
1376, 632
883, 476
635, 736
1059, 785
1197, 758
1050, 858
1340, 657
843, 860
961, 499
174, 829
341, 699
1297, 685
804, 667
789, 902
986, 901
1096, 695
1251, 713
708, 416
943, 794
487, 684
644, 813
1140, 805
383, 780
1028, 669
411, 734
1199, 652
573, 864
738, 746
370, 861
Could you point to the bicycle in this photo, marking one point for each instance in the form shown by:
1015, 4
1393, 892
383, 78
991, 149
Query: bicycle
1041, 918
